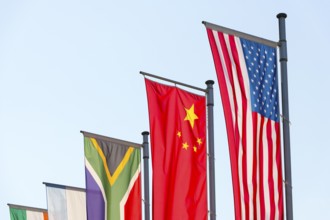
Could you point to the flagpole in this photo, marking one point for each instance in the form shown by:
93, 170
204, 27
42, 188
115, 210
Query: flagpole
26, 208
172, 81
145, 146
210, 124
63, 186
286, 121
240, 34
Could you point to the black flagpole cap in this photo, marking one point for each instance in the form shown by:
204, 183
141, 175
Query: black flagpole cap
281, 15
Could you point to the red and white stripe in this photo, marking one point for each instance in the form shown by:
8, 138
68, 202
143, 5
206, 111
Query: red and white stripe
254, 141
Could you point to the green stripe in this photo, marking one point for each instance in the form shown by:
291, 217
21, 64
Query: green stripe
95, 160
119, 189
17, 214
115, 193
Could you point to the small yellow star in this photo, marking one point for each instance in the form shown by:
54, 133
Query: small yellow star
199, 141
185, 146
191, 116
195, 149
179, 134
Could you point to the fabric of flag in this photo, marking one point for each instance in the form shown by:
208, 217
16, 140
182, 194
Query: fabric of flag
27, 213
247, 76
113, 179
65, 203
178, 146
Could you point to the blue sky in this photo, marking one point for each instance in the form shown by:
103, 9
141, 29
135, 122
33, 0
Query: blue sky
67, 66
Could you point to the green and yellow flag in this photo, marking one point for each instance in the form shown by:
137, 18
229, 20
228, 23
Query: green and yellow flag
113, 180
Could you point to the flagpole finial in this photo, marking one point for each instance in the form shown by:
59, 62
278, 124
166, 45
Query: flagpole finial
145, 133
211, 82
281, 15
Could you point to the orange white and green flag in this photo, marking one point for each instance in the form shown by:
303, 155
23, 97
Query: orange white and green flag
18, 212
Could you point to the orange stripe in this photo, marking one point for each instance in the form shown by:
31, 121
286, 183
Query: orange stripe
45, 216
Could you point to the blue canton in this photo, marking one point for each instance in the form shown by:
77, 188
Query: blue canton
262, 70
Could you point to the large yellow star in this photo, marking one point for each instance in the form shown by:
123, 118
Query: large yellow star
191, 116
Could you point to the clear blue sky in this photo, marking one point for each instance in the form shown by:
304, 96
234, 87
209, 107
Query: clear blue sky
67, 66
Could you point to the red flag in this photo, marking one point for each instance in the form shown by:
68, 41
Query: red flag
247, 75
178, 146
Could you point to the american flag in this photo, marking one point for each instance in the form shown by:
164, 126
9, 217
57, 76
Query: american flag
247, 75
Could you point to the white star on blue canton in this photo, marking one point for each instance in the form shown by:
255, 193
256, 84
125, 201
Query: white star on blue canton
263, 96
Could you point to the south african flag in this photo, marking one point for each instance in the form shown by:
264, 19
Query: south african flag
113, 178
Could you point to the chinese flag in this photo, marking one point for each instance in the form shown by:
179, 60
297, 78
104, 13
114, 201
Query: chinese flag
178, 146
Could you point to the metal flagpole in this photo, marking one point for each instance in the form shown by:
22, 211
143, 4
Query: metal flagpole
145, 146
26, 207
172, 81
210, 124
286, 121
240, 34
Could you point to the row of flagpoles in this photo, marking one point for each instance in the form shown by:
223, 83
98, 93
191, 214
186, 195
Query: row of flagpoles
182, 139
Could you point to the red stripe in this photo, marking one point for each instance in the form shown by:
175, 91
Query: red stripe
279, 168
133, 208
233, 114
244, 122
261, 170
228, 116
254, 165
270, 169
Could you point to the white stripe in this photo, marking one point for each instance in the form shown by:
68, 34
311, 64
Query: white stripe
238, 114
99, 183
66, 204
125, 197
33, 215
240, 174
258, 168
224, 67
265, 169
76, 204
249, 131
275, 171
56, 202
